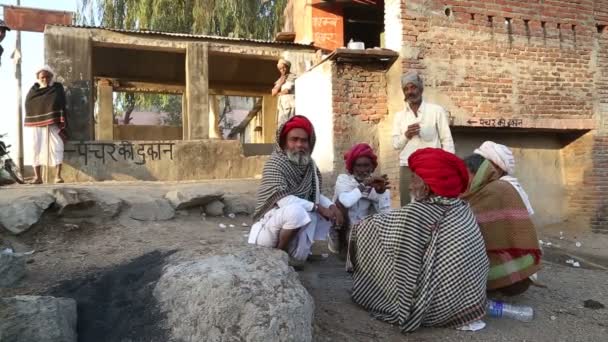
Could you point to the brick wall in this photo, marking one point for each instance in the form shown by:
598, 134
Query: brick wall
533, 60
359, 103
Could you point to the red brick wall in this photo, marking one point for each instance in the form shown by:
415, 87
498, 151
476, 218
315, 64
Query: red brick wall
522, 59
490, 68
359, 103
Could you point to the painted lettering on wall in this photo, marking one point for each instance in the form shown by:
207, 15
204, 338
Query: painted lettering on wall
140, 154
497, 122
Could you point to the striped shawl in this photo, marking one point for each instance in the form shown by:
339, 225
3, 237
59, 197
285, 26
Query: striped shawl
281, 178
422, 265
506, 226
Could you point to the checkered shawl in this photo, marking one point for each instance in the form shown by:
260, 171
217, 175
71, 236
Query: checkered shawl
422, 265
281, 178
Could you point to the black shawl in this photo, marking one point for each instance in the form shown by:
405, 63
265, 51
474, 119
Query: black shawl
46, 106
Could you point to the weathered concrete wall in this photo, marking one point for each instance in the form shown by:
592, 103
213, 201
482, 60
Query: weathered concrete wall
538, 166
159, 160
314, 100
145, 132
69, 54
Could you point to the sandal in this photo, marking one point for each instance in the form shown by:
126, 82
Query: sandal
59, 180
35, 181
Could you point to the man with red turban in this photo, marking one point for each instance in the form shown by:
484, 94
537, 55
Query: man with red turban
425, 263
358, 193
291, 212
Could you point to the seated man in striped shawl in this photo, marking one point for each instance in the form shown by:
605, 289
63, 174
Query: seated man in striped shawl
424, 264
503, 212
291, 211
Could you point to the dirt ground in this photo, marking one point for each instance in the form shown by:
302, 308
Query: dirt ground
110, 268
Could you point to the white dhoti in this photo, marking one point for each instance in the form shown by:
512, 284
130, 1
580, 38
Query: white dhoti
54, 147
266, 231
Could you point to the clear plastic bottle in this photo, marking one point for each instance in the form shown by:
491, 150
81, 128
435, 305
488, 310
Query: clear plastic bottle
500, 309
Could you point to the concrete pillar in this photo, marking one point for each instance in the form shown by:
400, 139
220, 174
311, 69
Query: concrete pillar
69, 54
105, 114
269, 119
197, 91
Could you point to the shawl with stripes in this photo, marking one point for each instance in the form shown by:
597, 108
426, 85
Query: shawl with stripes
506, 226
422, 265
281, 178
45, 106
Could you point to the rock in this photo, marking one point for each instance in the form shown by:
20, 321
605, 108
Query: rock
19, 214
250, 295
151, 209
593, 304
215, 208
40, 319
82, 203
189, 198
12, 269
243, 204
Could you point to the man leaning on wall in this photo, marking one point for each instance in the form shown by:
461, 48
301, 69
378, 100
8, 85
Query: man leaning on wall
420, 125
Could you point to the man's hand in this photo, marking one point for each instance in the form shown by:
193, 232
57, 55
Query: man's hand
326, 213
332, 214
380, 183
338, 217
412, 131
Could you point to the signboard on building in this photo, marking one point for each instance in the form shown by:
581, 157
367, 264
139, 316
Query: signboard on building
34, 19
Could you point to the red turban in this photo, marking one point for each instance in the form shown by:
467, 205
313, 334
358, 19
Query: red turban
297, 121
358, 151
442, 171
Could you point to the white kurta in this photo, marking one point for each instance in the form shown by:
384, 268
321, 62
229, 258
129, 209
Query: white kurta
292, 213
434, 130
360, 204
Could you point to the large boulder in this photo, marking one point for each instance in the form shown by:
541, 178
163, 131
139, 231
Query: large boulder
40, 319
239, 204
21, 213
215, 208
190, 198
12, 268
150, 209
84, 203
250, 295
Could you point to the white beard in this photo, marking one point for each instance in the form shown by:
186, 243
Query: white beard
298, 158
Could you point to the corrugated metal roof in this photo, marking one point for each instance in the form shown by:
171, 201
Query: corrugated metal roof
193, 36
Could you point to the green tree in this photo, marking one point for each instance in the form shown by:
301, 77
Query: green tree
259, 19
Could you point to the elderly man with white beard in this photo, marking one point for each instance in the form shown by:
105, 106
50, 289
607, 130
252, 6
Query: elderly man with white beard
291, 212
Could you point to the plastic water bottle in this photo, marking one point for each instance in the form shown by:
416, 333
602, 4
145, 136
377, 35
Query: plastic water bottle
500, 309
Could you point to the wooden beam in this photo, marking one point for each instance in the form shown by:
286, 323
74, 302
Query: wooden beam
240, 88
241, 127
147, 87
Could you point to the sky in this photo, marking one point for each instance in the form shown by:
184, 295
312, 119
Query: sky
32, 50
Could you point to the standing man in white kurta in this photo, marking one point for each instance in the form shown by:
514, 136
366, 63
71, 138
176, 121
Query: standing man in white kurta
421, 124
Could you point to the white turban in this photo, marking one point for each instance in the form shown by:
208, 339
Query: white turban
47, 69
498, 154
412, 77
502, 156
